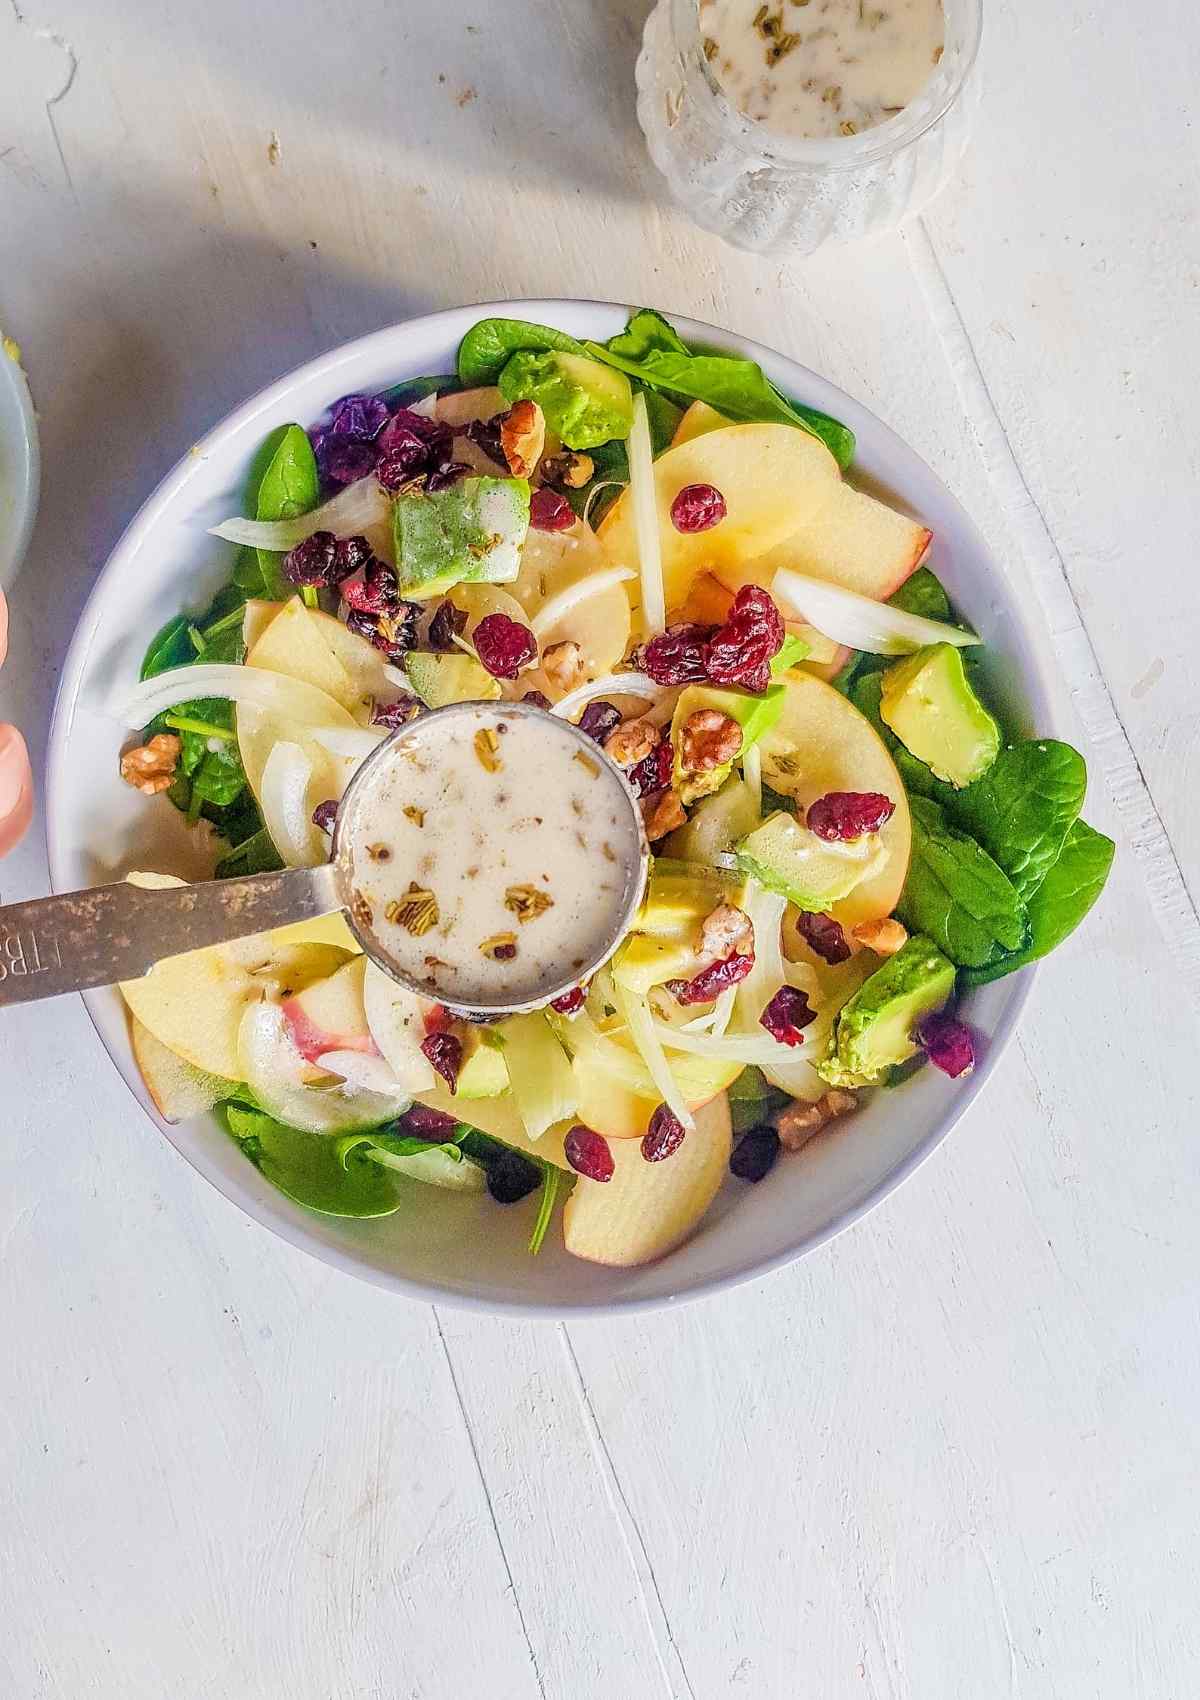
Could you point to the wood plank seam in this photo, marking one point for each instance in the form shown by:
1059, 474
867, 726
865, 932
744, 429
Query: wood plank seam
662, 1636
1170, 899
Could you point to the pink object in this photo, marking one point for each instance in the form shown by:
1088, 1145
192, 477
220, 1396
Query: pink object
16, 786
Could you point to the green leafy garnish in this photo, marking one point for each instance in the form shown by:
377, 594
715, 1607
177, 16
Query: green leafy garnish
956, 894
923, 593
487, 347
1023, 808
1061, 901
171, 646
545, 1207
290, 485
651, 351
309, 1167
254, 854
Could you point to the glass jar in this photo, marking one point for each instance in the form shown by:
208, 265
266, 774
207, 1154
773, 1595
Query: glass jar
780, 194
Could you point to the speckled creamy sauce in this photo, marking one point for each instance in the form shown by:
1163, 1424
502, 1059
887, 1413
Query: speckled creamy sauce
521, 845
821, 68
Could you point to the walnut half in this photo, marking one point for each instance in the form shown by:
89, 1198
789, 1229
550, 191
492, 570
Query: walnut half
523, 437
564, 665
631, 740
662, 813
727, 931
708, 739
150, 768
799, 1122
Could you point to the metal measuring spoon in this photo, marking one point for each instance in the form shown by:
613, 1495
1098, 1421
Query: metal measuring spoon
117, 932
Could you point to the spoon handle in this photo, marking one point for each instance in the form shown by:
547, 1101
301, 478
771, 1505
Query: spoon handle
118, 932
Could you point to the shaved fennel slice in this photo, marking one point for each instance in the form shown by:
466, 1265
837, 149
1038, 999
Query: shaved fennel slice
752, 774
273, 1069
360, 1069
645, 520
556, 607
286, 812
358, 507
742, 1047
250, 687
611, 685
640, 1024
766, 910
355, 743
846, 617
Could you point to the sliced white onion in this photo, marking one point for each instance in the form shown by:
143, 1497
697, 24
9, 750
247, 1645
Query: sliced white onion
740, 1048
766, 910
859, 622
611, 685
271, 1066
608, 484
357, 507
645, 520
641, 1024
397, 676
356, 743
556, 607
250, 687
359, 1068
285, 807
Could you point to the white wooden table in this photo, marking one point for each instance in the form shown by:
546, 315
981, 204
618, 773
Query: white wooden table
951, 1456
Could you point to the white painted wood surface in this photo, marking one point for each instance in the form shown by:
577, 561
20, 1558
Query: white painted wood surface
951, 1456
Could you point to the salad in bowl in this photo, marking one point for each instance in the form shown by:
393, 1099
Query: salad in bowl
646, 537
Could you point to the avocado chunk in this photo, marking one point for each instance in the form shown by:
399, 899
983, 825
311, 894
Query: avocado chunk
930, 706
469, 533
785, 856
441, 679
484, 1072
715, 824
874, 1031
680, 894
585, 403
755, 716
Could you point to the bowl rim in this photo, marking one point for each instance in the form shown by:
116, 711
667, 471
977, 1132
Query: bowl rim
816, 391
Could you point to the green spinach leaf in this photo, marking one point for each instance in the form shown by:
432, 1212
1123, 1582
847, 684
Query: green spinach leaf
487, 346
171, 646
1023, 808
923, 593
1060, 903
290, 485
956, 894
416, 389
751, 1099
308, 1167
253, 854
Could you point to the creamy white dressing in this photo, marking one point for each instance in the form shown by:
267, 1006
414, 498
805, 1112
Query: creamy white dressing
494, 856
822, 68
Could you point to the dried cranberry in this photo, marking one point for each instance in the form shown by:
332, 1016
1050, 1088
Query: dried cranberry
449, 472
676, 656
948, 1044
548, 511
404, 425
325, 815
485, 434
358, 416
445, 626
698, 507
824, 935
664, 1135
397, 713
445, 1053
569, 1003
503, 645
401, 466
510, 1176
539, 699
345, 460
740, 651
393, 632
420, 1122
313, 561
588, 1152
842, 815
788, 1011
710, 982
755, 1153
351, 556
600, 718
376, 592
653, 772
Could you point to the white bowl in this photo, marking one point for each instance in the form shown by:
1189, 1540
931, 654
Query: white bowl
19, 467
449, 1248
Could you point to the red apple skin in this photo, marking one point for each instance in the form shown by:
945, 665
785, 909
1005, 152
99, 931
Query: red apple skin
312, 1041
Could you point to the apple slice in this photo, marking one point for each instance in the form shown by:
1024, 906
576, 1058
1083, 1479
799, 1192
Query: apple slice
307, 644
774, 479
822, 743
395, 1018
854, 541
329, 1015
276, 1073
500, 1117
178, 1089
256, 617
616, 1095
647, 1209
464, 407
553, 562
322, 929
697, 420
193, 1003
